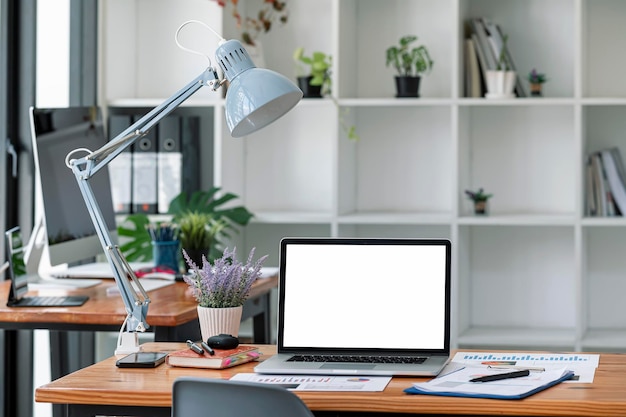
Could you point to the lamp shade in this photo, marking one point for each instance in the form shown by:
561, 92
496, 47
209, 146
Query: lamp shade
256, 96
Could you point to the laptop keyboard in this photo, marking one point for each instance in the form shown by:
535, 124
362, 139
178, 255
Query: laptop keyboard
47, 301
358, 359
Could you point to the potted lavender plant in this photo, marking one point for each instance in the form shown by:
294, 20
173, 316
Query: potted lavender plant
221, 289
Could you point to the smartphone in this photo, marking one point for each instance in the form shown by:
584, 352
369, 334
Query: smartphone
141, 360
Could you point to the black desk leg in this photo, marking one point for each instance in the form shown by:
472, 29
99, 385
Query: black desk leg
17, 372
69, 352
187, 331
261, 323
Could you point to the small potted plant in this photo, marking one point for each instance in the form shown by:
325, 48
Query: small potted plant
409, 63
480, 200
221, 288
199, 233
501, 81
313, 73
536, 81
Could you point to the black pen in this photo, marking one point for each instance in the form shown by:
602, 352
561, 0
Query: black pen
207, 348
498, 377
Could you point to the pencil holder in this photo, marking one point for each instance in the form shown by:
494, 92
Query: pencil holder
166, 253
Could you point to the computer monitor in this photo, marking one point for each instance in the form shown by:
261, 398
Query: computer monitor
71, 235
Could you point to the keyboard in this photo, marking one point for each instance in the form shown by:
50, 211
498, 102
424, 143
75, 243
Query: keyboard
358, 358
42, 301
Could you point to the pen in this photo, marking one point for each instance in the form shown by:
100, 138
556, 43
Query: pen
195, 347
520, 368
498, 377
208, 348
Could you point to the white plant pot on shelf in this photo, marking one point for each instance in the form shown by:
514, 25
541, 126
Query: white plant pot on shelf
500, 84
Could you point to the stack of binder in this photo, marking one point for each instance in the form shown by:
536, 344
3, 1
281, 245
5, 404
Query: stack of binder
158, 167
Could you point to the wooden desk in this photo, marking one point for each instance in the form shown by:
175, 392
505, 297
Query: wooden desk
106, 389
172, 316
172, 308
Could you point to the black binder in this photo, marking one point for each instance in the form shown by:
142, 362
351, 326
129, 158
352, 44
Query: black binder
169, 162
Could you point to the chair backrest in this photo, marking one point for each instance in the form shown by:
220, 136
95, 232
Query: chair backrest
204, 397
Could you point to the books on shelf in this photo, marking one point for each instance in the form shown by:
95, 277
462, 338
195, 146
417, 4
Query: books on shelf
605, 181
472, 71
488, 41
187, 358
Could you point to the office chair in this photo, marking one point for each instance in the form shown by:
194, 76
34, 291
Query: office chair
203, 397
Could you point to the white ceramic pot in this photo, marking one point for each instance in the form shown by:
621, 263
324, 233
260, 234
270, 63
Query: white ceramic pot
500, 84
214, 321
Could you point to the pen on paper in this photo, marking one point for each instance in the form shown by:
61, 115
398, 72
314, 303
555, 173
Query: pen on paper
519, 368
498, 377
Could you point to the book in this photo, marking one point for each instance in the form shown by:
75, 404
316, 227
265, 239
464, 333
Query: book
187, 358
482, 65
490, 60
616, 185
590, 208
473, 76
598, 185
496, 40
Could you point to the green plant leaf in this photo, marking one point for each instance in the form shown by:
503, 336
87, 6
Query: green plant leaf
138, 247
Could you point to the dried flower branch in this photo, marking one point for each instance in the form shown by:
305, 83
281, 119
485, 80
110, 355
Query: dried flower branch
271, 11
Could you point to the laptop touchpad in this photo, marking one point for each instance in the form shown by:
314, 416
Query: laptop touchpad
336, 365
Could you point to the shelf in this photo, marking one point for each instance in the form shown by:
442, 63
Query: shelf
518, 338
395, 218
292, 217
605, 340
535, 272
518, 220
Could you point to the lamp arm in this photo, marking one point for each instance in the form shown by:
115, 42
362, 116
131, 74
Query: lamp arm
86, 166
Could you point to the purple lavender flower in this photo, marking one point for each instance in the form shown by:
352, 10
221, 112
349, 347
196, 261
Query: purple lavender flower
227, 282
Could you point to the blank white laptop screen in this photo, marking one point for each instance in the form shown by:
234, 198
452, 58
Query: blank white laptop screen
361, 297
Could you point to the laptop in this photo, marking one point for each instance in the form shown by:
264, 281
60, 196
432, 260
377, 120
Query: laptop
362, 306
20, 279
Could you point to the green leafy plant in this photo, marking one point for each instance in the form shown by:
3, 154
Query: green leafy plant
199, 230
477, 196
409, 62
503, 63
535, 77
138, 244
318, 65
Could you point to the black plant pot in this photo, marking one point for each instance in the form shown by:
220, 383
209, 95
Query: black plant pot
407, 86
309, 91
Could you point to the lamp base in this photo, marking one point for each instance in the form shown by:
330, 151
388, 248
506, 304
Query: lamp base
127, 343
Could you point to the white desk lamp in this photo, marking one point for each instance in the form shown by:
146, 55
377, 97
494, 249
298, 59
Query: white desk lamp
255, 98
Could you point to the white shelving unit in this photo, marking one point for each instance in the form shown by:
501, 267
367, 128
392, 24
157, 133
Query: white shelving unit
535, 272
